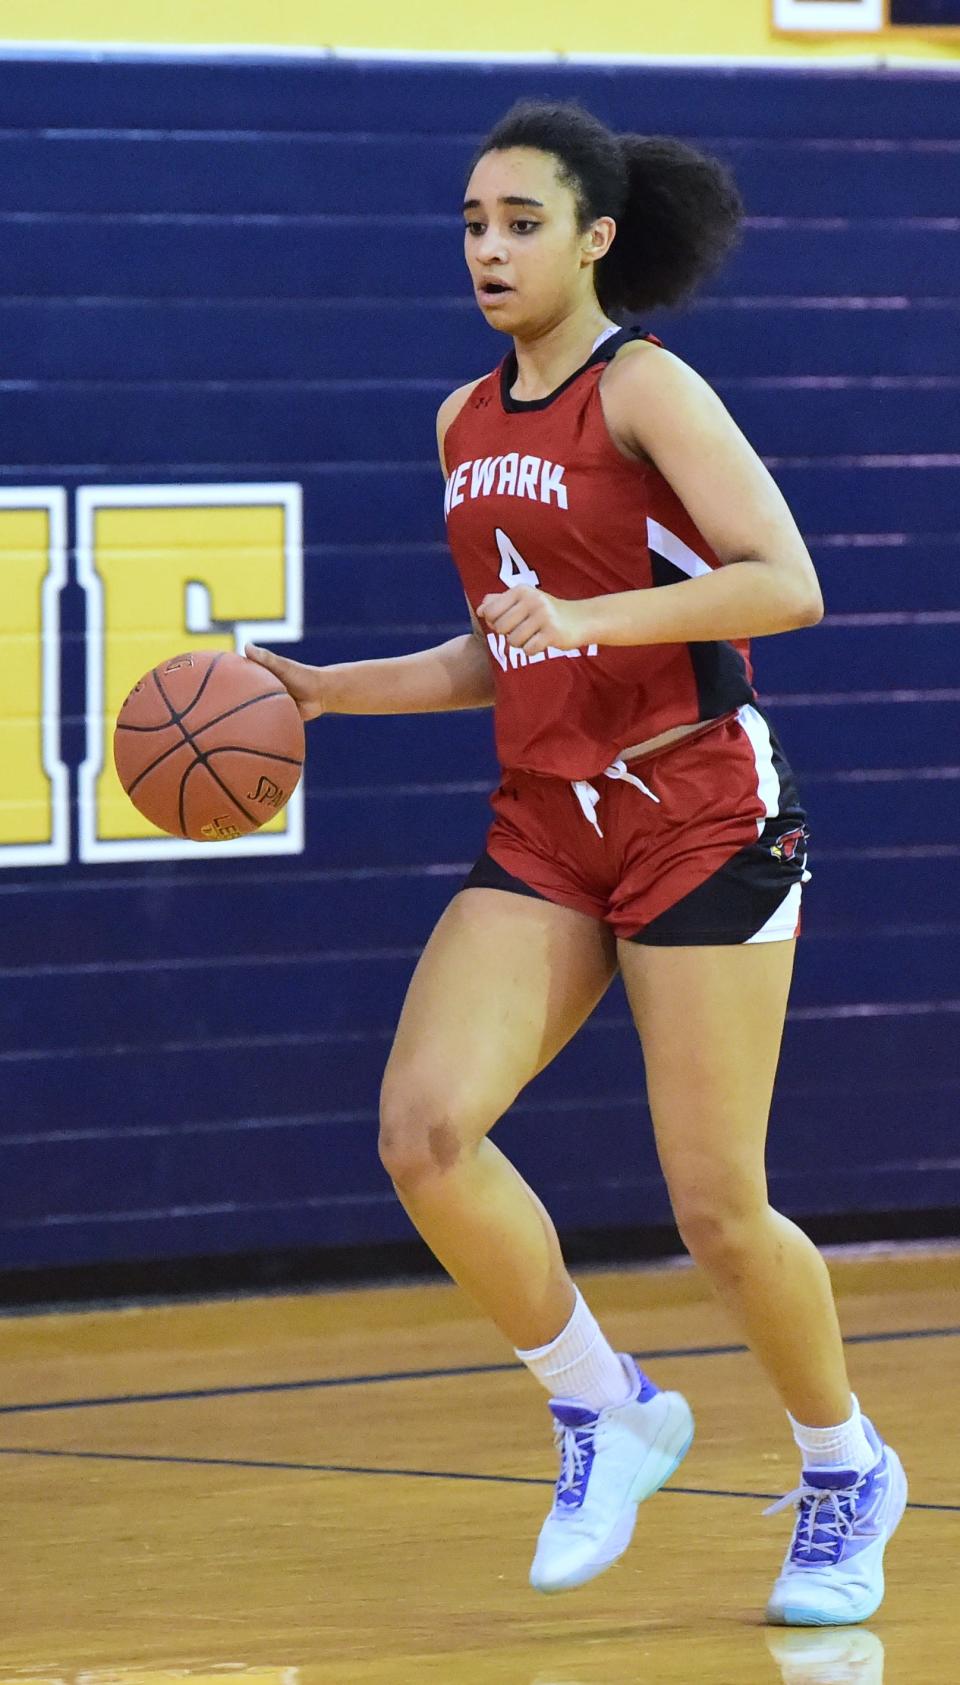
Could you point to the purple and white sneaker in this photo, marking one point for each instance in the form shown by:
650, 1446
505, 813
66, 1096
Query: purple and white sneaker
610, 1460
832, 1574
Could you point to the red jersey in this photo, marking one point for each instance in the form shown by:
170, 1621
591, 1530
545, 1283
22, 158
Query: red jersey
538, 494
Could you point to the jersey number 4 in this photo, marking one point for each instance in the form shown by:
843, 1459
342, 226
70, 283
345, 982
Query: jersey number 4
515, 571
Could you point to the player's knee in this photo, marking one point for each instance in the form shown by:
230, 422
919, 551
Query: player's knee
420, 1136
718, 1225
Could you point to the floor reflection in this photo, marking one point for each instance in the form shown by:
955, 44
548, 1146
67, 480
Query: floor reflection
844, 1656
176, 1673
838, 1656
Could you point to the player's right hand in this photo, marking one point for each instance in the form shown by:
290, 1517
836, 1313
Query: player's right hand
304, 683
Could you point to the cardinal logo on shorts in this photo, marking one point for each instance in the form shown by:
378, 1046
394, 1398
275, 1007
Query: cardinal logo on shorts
791, 847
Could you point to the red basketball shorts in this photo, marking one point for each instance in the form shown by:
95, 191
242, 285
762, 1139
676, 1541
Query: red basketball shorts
701, 843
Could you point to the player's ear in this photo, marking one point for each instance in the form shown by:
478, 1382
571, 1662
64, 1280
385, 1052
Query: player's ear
595, 241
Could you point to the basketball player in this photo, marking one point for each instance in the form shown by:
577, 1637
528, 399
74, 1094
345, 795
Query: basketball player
618, 542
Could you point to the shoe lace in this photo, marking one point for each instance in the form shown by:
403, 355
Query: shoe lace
825, 1519
575, 1446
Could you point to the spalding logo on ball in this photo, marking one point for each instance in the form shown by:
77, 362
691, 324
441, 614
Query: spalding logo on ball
209, 746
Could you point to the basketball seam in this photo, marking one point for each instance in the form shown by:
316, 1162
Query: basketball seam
201, 761
173, 720
174, 715
184, 742
189, 732
201, 756
203, 683
191, 738
241, 749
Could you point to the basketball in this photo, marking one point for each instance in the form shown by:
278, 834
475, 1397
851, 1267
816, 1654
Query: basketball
209, 746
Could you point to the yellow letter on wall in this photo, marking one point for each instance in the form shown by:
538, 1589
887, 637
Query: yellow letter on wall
168, 569
34, 784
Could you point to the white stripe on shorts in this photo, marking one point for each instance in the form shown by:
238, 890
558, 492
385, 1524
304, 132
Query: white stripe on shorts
782, 924
768, 779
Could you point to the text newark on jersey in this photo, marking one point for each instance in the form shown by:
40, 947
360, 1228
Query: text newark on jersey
515, 476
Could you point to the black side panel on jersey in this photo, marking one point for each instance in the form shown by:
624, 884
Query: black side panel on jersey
721, 678
718, 669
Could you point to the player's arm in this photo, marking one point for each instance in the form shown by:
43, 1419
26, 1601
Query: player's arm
660, 408
432, 681
453, 675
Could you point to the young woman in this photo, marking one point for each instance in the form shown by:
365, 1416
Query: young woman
618, 541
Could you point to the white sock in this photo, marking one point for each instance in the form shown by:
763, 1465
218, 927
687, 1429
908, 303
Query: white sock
843, 1447
580, 1363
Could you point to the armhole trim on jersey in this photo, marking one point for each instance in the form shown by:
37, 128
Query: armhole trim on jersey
473, 387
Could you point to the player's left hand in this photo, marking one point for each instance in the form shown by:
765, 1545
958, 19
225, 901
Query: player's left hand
532, 620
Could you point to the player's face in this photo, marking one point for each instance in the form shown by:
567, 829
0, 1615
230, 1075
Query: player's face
525, 253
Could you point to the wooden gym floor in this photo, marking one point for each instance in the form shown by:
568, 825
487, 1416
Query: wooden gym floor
346, 1486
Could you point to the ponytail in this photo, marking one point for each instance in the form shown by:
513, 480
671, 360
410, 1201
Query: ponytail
677, 210
680, 217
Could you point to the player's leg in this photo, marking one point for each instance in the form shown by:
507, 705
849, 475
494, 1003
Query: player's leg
503, 983
710, 1020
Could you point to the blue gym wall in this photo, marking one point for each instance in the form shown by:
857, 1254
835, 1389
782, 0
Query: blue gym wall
247, 270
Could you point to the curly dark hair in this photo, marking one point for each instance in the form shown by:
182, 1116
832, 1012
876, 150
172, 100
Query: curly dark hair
678, 211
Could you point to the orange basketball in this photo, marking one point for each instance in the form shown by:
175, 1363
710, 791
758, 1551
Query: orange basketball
209, 746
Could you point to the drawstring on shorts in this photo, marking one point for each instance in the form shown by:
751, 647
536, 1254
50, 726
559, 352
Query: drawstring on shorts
588, 796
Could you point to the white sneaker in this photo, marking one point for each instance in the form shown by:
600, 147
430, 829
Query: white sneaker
610, 1460
853, 1657
832, 1574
